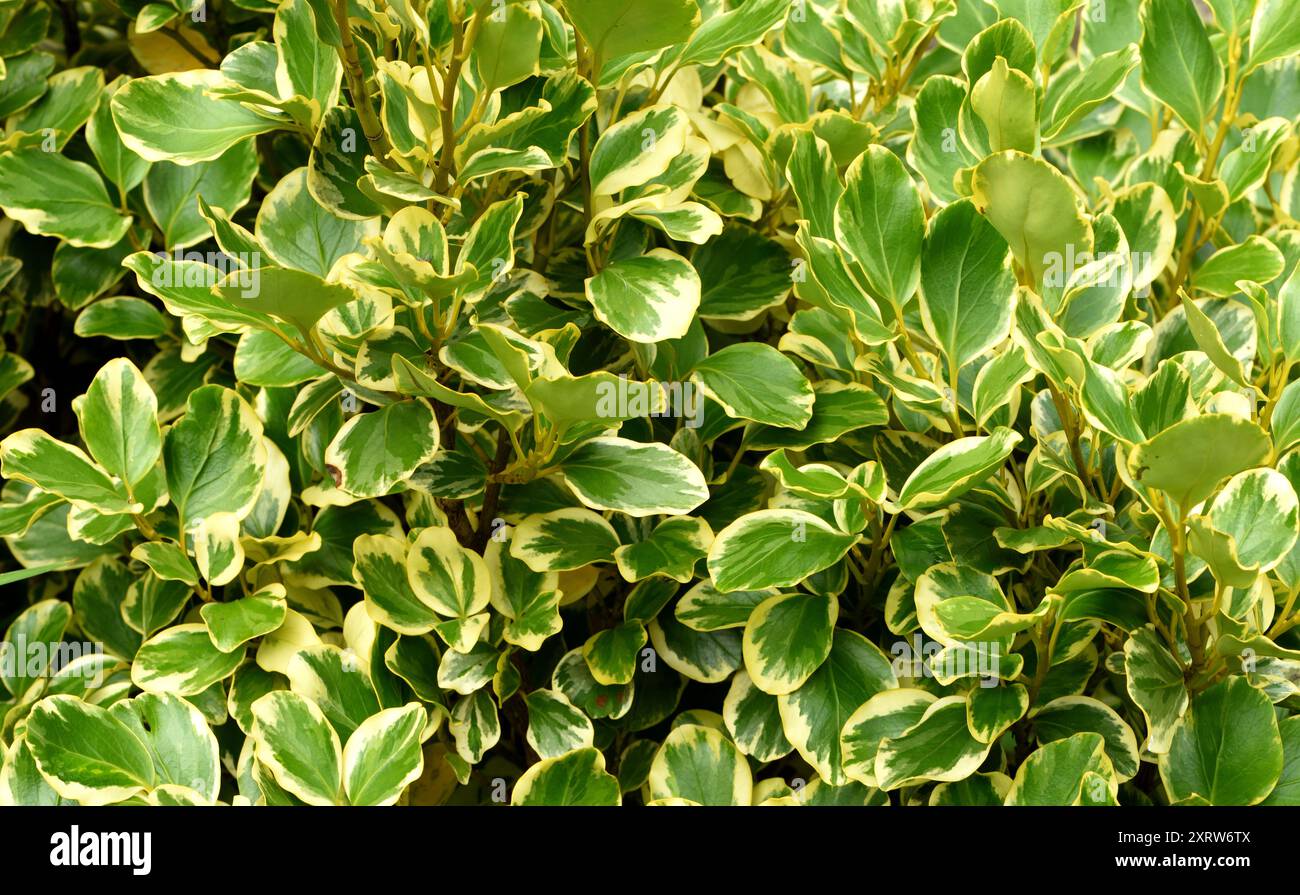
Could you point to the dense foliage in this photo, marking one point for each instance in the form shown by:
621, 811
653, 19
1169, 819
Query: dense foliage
650, 401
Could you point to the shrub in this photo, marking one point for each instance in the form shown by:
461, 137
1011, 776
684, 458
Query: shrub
651, 401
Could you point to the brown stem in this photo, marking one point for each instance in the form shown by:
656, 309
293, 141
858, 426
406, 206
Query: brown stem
184, 43
370, 124
462, 42
493, 494
71, 33
1072, 435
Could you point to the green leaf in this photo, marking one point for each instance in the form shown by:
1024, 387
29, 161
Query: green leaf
611, 473
297, 745
30, 646
705, 608
336, 682
700, 765
726, 31
376, 451
956, 468
753, 381
1179, 65
967, 287
383, 756
1274, 32
990, 711
935, 151
1155, 683
1063, 772
294, 296
215, 456
175, 117
614, 28
578, 778
182, 660
1284, 793
119, 164
118, 418
297, 231
705, 657
648, 299
515, 141
956, 603
889, 713
448, 577
1256, 259
184, 749
638, 148
1068, 715
774, 548
1230, 725
562, 540
217, 550
787, 637
612, 654
939, 746
529, 600
306, 66
880, 221
79, 210
1249, 528
754, 720
475, 726
555, 725
742, 273
121, 317
1081, 89
171, 192
85, 753
33, 456
152, 603
730, 29
814, 715
233, 624
672, 549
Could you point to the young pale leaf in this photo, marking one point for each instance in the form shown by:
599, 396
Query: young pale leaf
1037, 211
